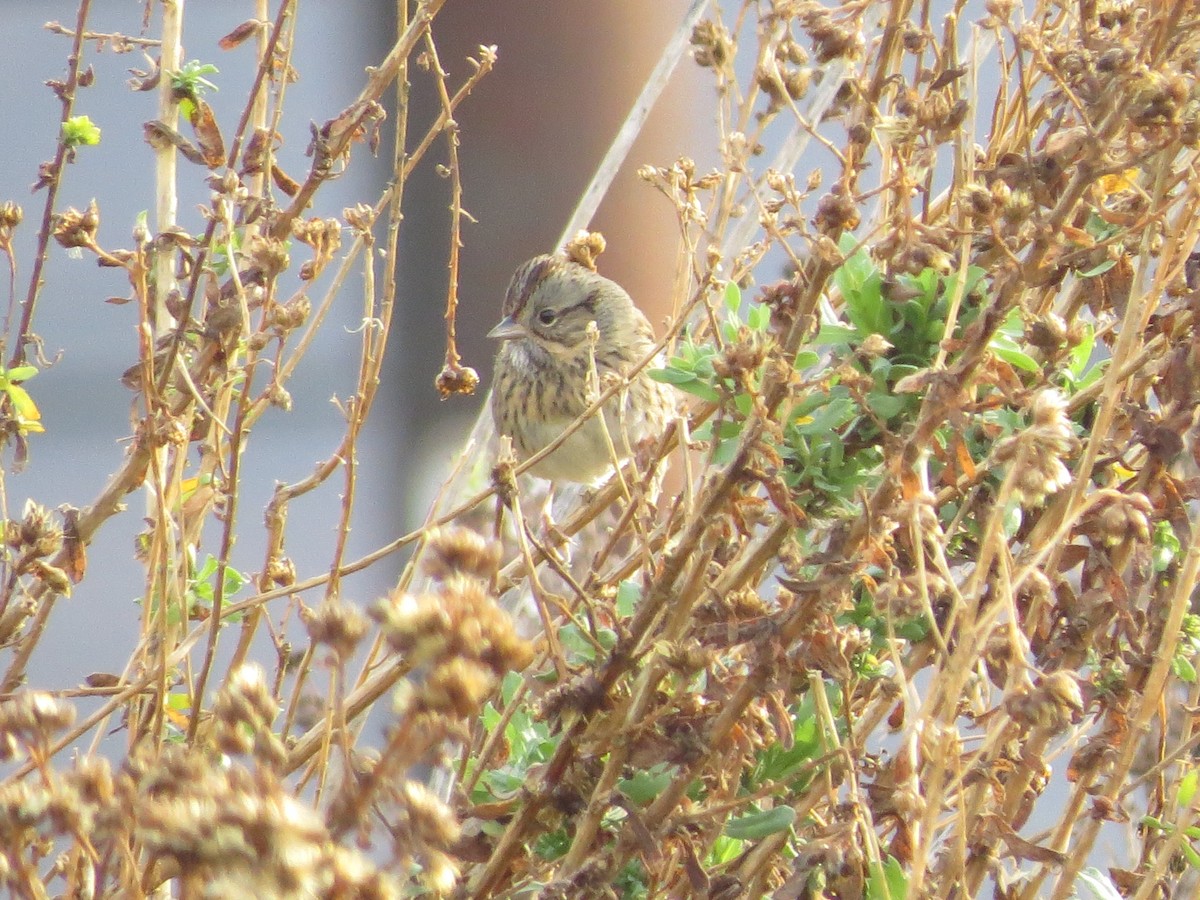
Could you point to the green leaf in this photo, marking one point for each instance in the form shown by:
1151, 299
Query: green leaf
806, 359
27, 412
1165, 546
887, 881
867, 310
886, 405
576, 644
629, 594
686, 382
509, 686
725, 445
725, 850
1155, 823
1187, 788
1081, 354
974, 275
1007, 349
1098, 270
1099, 884
18, 374
552, 845
733, 298
234, 580
190, 80
758, 318
1013, 517
1190, 854
779, 764
643, 787
1183, 670
761, 823
832, 415
836, 336
80, 131
672, 375
914, 630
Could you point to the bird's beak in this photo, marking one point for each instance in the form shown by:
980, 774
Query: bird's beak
507, 330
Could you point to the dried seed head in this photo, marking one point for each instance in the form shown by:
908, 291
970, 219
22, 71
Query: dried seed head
457, 687
874, 345
917, 256
35, 715
22, 805
456, 379
432, 818
836, 211
360, 217
459, 551
1047, 333
1000, 10
323, 235
462, 620
1017, 206
832, 39
740, 359
1039, 450
712, 46
280, 572
77, 229
337, 624
242, 717
797, 83
686, 657
1119, 518
269, 255
285, 317
584, 248
1050, 704
10, 217
37, 534
915, 39
238, 830
415, 625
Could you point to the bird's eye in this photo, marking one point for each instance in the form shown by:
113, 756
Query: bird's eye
546, 316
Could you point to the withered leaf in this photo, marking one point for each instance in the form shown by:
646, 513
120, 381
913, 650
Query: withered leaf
145, 81
1091, 759
255, 155
948, 76
47, 172
160, 135
284, 182
1019, 848
241, 34
696, 875
1071, 556
642, 835
52, 577
208, 133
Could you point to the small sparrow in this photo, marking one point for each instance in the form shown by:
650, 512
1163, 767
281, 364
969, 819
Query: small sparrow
543, 379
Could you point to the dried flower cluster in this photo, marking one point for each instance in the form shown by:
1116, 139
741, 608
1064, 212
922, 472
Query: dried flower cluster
457, 632
914, 618
1037, 453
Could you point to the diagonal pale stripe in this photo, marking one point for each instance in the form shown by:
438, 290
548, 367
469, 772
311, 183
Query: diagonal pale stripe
673, 52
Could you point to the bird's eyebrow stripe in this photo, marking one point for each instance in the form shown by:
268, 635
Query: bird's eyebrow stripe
530, 278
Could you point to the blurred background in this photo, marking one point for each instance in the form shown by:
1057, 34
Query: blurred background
531, 137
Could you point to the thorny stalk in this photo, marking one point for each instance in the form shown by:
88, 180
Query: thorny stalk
917, 624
